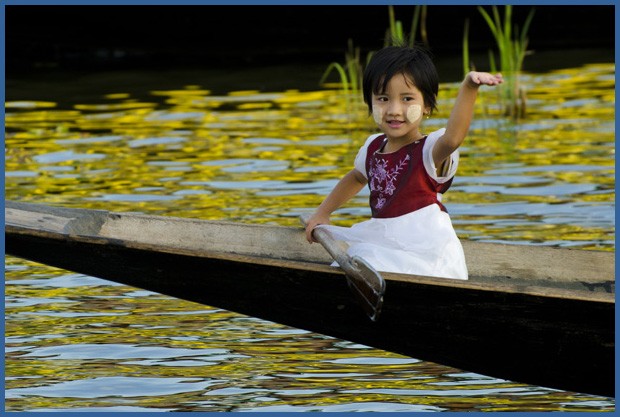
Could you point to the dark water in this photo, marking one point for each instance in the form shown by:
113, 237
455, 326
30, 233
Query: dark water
187, 146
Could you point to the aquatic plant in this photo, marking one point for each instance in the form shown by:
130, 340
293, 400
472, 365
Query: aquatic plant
395, 34
466, 61
512, 49
352, 71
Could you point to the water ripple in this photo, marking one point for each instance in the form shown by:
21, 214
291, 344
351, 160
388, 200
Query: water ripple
108, 387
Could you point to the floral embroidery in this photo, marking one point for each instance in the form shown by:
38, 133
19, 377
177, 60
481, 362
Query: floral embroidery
383, 179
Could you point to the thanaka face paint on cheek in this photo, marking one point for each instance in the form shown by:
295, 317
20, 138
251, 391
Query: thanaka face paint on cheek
377, 114
414, 113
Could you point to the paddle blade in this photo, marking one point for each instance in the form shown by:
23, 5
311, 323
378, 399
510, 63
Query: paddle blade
367, 285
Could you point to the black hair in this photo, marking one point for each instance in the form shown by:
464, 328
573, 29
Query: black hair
413, 62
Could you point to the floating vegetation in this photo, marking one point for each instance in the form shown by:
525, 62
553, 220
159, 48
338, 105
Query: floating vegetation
222, 156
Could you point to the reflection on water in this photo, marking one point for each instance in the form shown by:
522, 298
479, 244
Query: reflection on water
549, 179
81, 343
84, 344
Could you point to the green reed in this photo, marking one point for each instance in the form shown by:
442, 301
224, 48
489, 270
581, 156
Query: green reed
466, 60
511, 42
351, 72
395, 35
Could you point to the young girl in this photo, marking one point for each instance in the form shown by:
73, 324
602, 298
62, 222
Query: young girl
406, 170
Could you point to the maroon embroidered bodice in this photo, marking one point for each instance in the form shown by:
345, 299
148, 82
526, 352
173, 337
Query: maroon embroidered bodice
398, 181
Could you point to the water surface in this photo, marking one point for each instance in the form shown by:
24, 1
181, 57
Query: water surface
79, 343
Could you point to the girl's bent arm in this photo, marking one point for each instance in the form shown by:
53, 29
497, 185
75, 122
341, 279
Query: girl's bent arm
462, 113
347, 187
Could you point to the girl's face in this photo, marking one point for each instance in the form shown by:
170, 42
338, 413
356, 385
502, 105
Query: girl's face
399, 110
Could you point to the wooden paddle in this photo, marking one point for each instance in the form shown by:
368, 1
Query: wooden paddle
365, 282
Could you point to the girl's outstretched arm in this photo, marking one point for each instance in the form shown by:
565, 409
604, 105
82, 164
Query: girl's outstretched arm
347, 187
462, 113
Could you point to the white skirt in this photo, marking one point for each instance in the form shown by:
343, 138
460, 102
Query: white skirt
420, 243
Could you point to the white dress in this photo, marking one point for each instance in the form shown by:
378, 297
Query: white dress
422, 242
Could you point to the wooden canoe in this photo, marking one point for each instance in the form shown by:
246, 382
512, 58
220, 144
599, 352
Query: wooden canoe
530, 314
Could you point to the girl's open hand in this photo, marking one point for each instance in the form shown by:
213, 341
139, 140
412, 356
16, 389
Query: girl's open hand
476, 79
